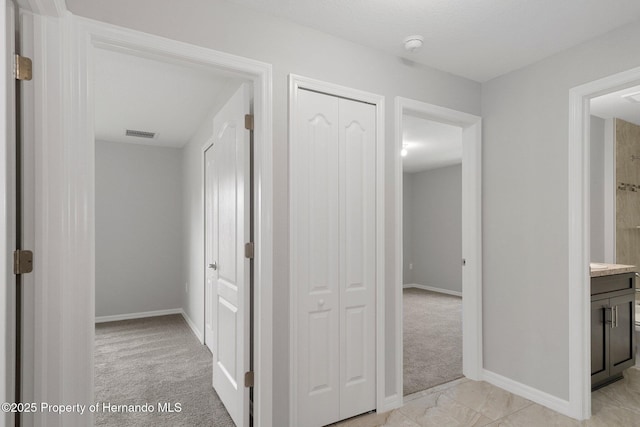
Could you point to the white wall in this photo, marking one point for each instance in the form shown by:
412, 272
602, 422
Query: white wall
525, 210
138, 228
597, 189
435, 224
292, 48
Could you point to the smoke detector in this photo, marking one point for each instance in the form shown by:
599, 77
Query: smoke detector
413, 43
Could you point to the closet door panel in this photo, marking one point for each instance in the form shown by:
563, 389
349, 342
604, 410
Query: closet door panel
357, 142
315, 256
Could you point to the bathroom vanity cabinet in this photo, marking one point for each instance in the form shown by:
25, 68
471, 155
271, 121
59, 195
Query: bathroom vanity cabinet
613, 346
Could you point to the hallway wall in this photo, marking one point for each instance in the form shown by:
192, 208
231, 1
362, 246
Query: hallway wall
138, 228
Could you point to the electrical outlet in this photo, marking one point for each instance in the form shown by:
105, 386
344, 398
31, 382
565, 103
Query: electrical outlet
410, 266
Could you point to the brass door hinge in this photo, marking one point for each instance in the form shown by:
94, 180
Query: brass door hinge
23, 68
249, 250
22, 261
248, 379
248, 121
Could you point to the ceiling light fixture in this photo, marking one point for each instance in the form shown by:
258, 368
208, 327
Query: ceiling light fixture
413, 43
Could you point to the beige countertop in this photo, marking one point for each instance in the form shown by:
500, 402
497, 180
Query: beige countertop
602, 269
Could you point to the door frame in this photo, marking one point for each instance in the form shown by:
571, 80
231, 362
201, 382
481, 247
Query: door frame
65, 217
579, 218
297, 82
472, 364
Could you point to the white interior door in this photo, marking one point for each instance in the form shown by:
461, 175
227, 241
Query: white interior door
210, 274
333, 256
228, 269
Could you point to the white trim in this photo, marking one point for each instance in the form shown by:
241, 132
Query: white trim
471, 231
382, 402
192, 325
140, 315
579, 236
535, 395
67, 213
440, 290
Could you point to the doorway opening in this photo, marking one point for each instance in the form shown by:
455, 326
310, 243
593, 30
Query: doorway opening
432, 252
592, 222
153, 117
455, 179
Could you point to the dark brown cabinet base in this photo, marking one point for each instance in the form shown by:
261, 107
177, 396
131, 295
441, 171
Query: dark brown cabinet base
613, 346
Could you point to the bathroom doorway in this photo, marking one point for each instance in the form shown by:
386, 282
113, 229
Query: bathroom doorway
615, 180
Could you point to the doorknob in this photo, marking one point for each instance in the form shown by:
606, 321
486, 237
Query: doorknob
213, 265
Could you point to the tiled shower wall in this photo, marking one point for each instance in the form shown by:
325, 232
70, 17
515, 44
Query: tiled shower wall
628, 196
627, 193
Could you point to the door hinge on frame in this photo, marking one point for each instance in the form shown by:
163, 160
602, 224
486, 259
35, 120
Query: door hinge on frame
248, 379
22, 261
248, 121
249, 250
22, 68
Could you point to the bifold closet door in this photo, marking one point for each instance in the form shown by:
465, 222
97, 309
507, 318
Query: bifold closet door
333, 256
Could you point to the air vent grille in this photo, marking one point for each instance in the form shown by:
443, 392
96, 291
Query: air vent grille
140, 134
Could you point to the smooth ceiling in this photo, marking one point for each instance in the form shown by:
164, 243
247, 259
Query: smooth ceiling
612, 105
146, 94
479, 40
429, 144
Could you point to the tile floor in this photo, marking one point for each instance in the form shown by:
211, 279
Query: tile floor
468, 403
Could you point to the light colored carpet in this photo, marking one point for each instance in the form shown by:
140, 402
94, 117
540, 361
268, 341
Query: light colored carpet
155, 360
432, 339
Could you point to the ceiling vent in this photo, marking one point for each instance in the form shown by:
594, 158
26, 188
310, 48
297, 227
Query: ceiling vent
140, 134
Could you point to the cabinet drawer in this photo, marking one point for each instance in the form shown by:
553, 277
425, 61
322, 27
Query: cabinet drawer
616, 282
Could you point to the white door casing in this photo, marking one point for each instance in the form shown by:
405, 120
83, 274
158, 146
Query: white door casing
7, 211
333, 249
228, 176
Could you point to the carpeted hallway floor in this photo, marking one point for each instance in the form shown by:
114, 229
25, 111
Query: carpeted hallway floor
155, 360
432, 339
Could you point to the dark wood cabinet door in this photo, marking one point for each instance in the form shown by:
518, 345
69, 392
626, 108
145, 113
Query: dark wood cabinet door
599, 336
622, 337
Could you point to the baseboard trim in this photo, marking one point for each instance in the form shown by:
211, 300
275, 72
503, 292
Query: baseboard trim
433, 289
193, 326
545, 399
390, 402
129, 316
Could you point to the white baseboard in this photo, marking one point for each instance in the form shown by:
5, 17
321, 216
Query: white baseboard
433, 289
390, 402
128, 316
193, 326
545, 399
